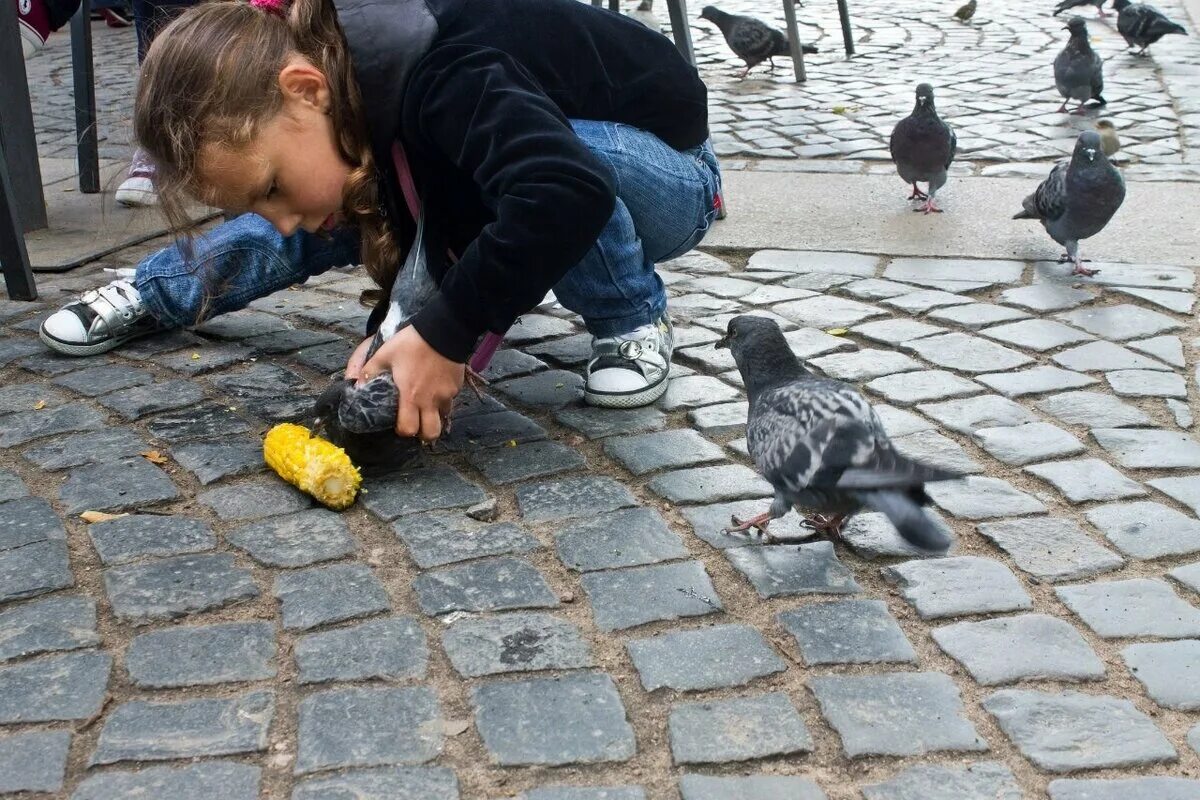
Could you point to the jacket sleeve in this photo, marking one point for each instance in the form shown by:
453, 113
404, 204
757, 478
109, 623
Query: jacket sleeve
550, 196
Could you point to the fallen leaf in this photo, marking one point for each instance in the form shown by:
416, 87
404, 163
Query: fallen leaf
195, 356
154, 457
39, 405
839, 109
837, 331
511, 443
99, 516
559, 385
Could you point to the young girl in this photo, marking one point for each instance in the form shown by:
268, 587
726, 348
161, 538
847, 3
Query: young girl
507, 147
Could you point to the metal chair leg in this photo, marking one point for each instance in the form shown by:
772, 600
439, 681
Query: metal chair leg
14, 258
84, 77
793, 32
847, 33
677, 10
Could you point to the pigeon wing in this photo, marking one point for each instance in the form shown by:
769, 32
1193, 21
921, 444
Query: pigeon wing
750, 39
370, 406
953, 144
1049, 200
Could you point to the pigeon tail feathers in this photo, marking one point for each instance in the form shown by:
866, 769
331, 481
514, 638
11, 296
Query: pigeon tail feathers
910, 520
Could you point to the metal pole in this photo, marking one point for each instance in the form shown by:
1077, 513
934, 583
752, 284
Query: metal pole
16, 127
847, 34
83, 75
14, 258
677, 9
789, 13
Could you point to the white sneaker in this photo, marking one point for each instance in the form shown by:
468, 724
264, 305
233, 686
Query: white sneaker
137, 190
99, 320
630, 370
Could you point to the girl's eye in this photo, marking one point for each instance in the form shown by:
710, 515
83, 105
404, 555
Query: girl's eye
272, 189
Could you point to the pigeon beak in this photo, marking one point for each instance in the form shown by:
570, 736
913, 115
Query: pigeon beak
1091, 153
722, 343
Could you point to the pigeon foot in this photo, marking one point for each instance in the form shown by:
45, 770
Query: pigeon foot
1080, 269
929, 207
917, 194
758, 523
475, 381
1063, 108
826, 524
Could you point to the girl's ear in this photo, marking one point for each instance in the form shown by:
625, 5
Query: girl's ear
302, 82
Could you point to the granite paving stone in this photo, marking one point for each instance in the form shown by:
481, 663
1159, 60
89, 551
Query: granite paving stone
1193, 737
169, 588
116, 487
202, 421
1147, 530
27, 520
1185, 489
1093, 409
1051, 549
865, 365
966, 353
709, 522
33, 762
382, 783
749, 787
572, 497
847, 632
1065, 731
11, 486
896, 331
12, 348
1146, 383
1188, 575
1179, 302
1037, 334
897, 714
1151, 788
104, 446
569, 351
1165, 348
940, 272
1023, 647
551, 389
195, 655
1121, 322
427, 488
720, 420
920, 301
438, 538
970, 414
62, 687
1098, 356
597, 423
34, 568
509, 363
625, 538
876, 289
44, 626
806, 261
983, 780
627, 598
1149, 449
26, 426
531, 460
95, 381
584, 793
517, 642
332, 593
709, 357
494, 584
1085, 479
872, 535
976, 315
140, 401
898, 422
957, 586
27, 396
575, 719
1046, 297
914, 387
390, 648
208, 780
710, 484
295, 540
699, 658
212, 461
250, 500
827, 311
1168, 670
206, 358
1025, 444
737, 729
48, 364
242, 324
1035, 380
787, 570
126, 538
535, 327
809, 343
694, 391
647, 452
368, 727
1136, 607
978, 497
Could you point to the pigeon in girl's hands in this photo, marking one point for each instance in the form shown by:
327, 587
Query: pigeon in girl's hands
821, 445
751, 39
923, 147
362, 421
1078, 70
1078, 199
1142, 25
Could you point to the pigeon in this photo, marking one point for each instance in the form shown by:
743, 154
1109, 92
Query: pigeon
1068, 4
923, 146
750, 39
1078, 70
965, 13
1142, 25
1109, 142
821, 445
1078, 199
644, 14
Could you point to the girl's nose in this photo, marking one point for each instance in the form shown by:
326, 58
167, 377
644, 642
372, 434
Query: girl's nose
282, 221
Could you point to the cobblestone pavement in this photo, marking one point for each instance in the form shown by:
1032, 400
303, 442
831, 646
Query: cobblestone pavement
228, 640
994, 81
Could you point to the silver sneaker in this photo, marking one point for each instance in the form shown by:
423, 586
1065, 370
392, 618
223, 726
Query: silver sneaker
99, 320
632, 369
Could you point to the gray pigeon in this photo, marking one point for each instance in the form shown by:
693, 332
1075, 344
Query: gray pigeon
821, 445
923, 147
1078, 70
1142, 25
751, 39
1078, 199
1069, 4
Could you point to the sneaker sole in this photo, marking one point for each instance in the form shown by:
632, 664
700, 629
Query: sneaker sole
72, 349
136, 198
637, 399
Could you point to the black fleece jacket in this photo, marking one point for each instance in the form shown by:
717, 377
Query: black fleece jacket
479, 93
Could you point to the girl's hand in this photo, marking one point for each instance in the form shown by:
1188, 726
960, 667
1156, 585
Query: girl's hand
427, 382
357, 359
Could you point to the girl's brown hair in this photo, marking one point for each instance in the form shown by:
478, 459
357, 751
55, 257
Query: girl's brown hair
212, 77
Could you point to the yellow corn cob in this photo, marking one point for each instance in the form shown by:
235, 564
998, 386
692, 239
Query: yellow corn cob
312, 464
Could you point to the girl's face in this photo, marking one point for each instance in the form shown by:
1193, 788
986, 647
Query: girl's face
291, 173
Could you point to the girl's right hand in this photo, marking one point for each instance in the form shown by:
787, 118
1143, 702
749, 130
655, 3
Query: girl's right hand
357, 359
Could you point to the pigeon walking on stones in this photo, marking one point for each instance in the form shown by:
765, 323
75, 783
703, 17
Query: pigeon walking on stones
967, 11
1069, 4
821, 445
1078, 199
1110, 143
923, 147
1142, 25
1078, 70
750, 39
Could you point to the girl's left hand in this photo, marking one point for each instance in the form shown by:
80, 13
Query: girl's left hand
427, 382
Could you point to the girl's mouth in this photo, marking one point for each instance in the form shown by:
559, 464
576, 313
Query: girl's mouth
330, 222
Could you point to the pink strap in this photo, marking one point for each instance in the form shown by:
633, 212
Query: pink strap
491, 341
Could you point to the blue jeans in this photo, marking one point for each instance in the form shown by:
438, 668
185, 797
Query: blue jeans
664, 207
